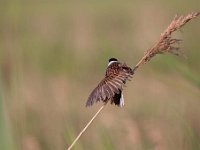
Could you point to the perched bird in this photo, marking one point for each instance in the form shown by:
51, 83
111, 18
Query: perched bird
111, 87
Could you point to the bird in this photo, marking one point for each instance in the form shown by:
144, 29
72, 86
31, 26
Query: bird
111, 86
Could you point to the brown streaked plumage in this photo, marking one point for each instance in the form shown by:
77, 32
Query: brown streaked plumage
111, 87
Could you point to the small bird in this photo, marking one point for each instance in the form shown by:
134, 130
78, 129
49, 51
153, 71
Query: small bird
111, 87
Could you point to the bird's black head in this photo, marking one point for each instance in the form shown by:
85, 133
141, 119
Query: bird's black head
112, 59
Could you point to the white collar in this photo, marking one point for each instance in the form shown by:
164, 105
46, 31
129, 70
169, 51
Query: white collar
111, 62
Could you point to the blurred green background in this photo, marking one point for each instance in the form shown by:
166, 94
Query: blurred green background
53, 53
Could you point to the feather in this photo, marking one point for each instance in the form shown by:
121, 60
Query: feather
110, 88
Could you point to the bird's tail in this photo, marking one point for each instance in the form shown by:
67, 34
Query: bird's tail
118, 99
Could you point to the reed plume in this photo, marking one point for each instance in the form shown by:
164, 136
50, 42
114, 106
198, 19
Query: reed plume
165, 44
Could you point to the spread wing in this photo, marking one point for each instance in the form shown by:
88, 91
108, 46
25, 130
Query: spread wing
107, 88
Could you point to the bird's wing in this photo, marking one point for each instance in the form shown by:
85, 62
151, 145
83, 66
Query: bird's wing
107, 88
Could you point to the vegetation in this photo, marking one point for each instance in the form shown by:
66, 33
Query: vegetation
53, 53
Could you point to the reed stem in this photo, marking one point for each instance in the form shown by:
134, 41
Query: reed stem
84, 129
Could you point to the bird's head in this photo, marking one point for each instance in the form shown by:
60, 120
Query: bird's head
111, 60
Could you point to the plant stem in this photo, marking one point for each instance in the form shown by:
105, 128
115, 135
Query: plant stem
84, 129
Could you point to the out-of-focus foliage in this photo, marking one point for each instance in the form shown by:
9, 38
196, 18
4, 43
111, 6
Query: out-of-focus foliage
53, 53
